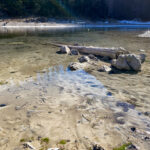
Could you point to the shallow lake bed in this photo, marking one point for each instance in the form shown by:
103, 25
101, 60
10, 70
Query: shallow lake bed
38, 89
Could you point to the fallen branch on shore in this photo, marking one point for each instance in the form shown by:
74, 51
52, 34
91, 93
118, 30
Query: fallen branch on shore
112, 52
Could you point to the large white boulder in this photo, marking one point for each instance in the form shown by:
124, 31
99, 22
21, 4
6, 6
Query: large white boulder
129, 62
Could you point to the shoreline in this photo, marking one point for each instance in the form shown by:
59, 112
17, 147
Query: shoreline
54, 23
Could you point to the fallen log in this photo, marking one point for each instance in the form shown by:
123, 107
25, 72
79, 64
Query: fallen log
112, 52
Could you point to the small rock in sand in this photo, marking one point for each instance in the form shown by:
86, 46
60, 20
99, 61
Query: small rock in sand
147, 138
74, 52
105, 69
17, 107
84, 59
141, 50
133, 129
91, 56
29, 145
77, 65
131, 147
96, 147
147, 113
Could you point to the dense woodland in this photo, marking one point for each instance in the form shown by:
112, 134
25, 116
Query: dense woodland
85, 9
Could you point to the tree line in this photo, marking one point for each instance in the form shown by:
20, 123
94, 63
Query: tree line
87, 9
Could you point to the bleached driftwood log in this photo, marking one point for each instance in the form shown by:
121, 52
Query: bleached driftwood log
112, 52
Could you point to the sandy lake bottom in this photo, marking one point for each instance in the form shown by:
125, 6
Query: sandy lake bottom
41, 99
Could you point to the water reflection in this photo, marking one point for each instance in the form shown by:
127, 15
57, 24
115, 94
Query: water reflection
12, 31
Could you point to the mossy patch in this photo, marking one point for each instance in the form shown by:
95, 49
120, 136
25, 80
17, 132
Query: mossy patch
63, 142
3, 82
27, 139
45, 140
22, 140
123, 147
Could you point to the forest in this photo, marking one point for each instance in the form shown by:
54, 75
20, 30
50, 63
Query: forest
80, 9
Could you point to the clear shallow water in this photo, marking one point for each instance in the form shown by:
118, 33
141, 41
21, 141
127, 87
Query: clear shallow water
24, 53
58, 83
27, 62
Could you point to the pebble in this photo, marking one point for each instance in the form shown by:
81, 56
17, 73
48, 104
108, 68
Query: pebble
147, 138
133, 129
93, 57
147, 113
141, 50
28, 145
3, 105
17, 108
83, 59
39, 138
96, 147
120, 120
105, 69
74, 52
131, 147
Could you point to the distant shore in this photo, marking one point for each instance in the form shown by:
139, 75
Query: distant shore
55, 23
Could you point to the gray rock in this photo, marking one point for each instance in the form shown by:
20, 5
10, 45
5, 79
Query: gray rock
17, 107
91, 56
120, 63
141, 50
74, 52
96, 147
134, 62
142, 57
147, 113
105, 69
128, 62
84, 59
65, 50
77, 65
131, 147
29, 145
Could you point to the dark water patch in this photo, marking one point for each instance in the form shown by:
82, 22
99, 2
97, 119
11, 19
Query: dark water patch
109, 94
89, 82
125, 106
94, 85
